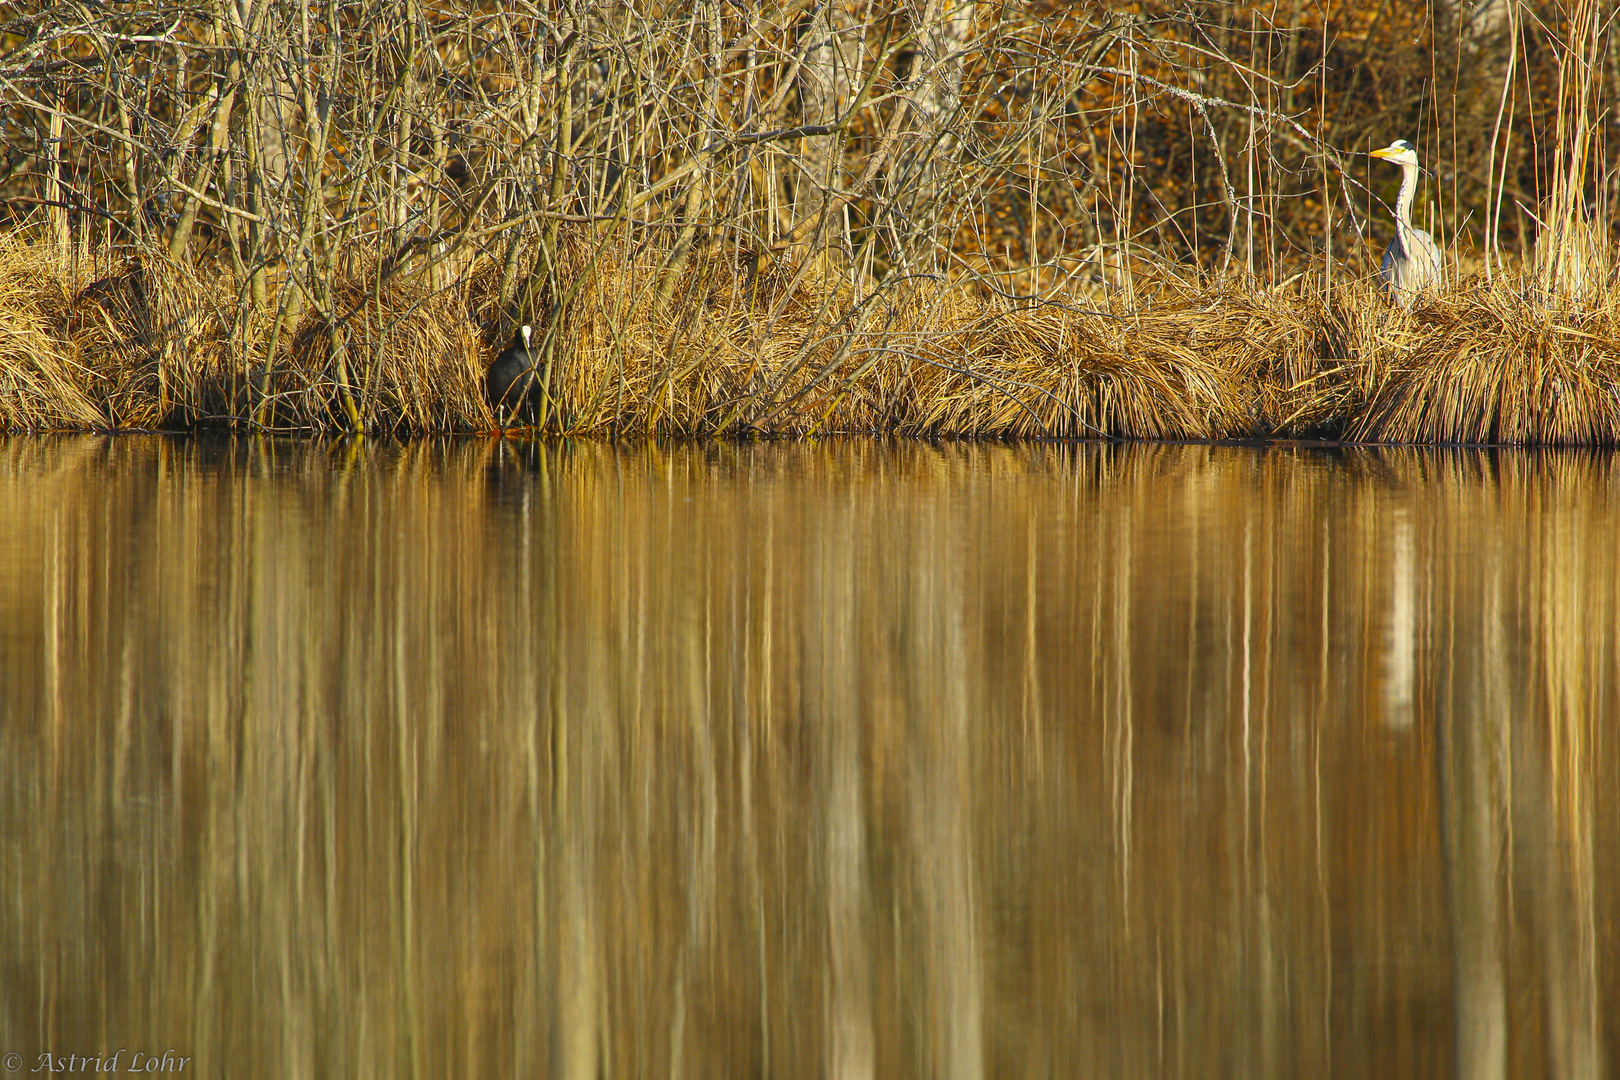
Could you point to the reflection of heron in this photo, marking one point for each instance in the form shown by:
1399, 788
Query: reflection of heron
1412, 261
510, 381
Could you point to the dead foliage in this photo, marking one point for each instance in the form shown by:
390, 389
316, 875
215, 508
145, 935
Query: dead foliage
735, 342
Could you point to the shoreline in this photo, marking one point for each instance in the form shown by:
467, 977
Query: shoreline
151, 345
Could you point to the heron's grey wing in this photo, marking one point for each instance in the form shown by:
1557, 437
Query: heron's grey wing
1425, 244
1390, 269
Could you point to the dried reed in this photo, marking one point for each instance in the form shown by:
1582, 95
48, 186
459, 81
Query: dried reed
754, 345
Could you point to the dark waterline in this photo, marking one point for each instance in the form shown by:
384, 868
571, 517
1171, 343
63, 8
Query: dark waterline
489, 758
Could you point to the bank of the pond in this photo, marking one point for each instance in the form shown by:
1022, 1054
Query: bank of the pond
745, 345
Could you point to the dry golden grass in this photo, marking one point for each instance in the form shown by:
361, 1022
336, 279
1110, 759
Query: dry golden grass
747, 343
1053, 371
42, 383
125, 348
747, 350
1503, 364
412, 359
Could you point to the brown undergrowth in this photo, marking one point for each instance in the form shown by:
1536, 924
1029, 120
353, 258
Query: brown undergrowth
738, 343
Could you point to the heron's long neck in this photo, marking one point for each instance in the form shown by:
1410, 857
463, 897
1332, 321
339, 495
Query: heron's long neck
1403, 202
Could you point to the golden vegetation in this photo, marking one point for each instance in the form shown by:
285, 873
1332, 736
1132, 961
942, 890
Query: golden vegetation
745, 349
1109, 220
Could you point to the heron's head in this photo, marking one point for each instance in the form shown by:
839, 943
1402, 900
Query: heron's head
526, 331
1399, 152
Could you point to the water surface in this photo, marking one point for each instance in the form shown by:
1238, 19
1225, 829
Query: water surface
840, 759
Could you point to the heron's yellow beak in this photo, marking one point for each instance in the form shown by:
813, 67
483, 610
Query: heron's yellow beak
1385, 152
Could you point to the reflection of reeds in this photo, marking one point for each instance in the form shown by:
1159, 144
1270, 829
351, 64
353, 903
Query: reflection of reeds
509, 758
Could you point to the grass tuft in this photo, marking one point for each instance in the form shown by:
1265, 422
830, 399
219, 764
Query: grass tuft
729, 342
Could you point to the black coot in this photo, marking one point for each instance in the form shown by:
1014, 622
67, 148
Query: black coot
512, 383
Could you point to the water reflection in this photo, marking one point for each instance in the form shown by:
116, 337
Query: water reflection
862, 760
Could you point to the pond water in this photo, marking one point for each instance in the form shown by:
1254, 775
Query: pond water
848, 759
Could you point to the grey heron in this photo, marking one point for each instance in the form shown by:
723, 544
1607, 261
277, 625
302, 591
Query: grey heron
510, 383
1412, 260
